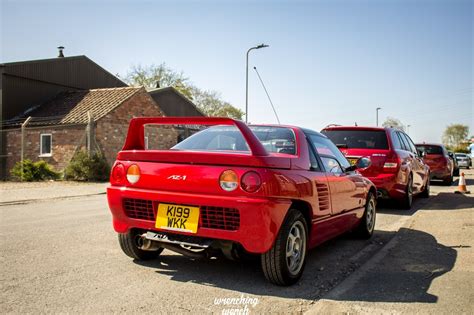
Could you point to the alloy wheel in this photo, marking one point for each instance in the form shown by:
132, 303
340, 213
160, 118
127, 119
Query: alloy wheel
296, 247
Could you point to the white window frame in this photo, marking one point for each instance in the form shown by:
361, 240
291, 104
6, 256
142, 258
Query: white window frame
41, 145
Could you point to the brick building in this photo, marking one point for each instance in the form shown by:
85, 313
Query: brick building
60, 94
27, 84
96, 118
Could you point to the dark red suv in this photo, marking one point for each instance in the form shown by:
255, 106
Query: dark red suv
397, 169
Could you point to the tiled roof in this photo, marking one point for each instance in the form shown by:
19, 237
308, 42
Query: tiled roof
72, 107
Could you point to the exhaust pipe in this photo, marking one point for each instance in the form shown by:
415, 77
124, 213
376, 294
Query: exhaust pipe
148, 245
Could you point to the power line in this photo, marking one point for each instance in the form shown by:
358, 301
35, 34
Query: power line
271, 103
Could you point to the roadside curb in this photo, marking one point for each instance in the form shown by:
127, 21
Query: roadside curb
26, 201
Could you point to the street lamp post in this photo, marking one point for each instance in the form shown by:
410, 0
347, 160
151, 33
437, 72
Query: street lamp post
247, 81
408, 129
377, 116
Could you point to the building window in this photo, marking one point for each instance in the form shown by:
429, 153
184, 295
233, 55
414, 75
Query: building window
46, 141
146, 143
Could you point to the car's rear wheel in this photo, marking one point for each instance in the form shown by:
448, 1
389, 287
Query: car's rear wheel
407, 200
448, 181
426, 191
284, 263
367, 223
130, 242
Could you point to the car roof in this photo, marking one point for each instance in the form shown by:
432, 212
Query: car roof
369, 128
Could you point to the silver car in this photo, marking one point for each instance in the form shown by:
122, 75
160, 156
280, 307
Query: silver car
463, 159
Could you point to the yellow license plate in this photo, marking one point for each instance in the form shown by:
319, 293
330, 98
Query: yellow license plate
352, 161
177, 218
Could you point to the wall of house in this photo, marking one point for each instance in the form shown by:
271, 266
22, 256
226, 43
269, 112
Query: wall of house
65, 140
111, 130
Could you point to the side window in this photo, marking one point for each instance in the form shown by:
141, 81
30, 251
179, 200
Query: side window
331, 165
313, 160
405, 145
396, 141
46, 141
411, 145
329, 153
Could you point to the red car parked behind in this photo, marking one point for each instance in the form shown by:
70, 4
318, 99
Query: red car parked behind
397, 169
234, 189
436, 156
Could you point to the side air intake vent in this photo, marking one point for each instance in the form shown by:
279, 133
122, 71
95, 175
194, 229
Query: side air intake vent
323, 196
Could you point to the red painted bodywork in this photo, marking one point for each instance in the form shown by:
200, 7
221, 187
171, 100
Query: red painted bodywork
441, 166
332, 203
391, 183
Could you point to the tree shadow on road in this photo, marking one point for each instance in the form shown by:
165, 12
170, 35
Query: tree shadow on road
451, 201
327, 266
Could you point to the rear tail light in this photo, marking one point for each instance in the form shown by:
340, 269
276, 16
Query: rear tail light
391, 164
229, 180
251, 182
118, 174
133, 173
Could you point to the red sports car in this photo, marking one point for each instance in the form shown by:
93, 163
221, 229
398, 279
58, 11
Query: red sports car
233, 189
397, 169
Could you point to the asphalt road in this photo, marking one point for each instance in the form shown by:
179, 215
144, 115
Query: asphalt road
63, 256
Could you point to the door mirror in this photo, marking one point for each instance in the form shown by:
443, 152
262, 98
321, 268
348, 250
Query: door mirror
363, 162
422, 153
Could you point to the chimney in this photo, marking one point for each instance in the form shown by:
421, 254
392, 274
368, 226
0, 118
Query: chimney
61, 55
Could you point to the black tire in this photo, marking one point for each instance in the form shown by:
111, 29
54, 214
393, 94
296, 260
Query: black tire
129, 245
448, 181
407, 200
366, 227
456, 172
276, 266
426, 192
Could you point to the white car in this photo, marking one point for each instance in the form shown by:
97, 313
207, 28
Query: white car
463, 159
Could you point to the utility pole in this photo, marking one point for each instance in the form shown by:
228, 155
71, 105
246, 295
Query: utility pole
22, 150
377, 116
247, 81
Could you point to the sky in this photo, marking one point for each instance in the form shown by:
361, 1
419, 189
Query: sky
329, 62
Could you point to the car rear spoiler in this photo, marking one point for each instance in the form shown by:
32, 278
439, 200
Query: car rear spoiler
136, 131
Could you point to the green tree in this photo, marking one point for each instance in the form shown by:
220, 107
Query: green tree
161, 75
209, 102
455, 134
393, 123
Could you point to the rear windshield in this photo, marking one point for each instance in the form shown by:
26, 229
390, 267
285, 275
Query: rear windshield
460, 155
229, 138
358, 139
430, 149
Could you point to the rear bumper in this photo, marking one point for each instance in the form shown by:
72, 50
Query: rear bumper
464, 163
388, 186
260, 218
440, 173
